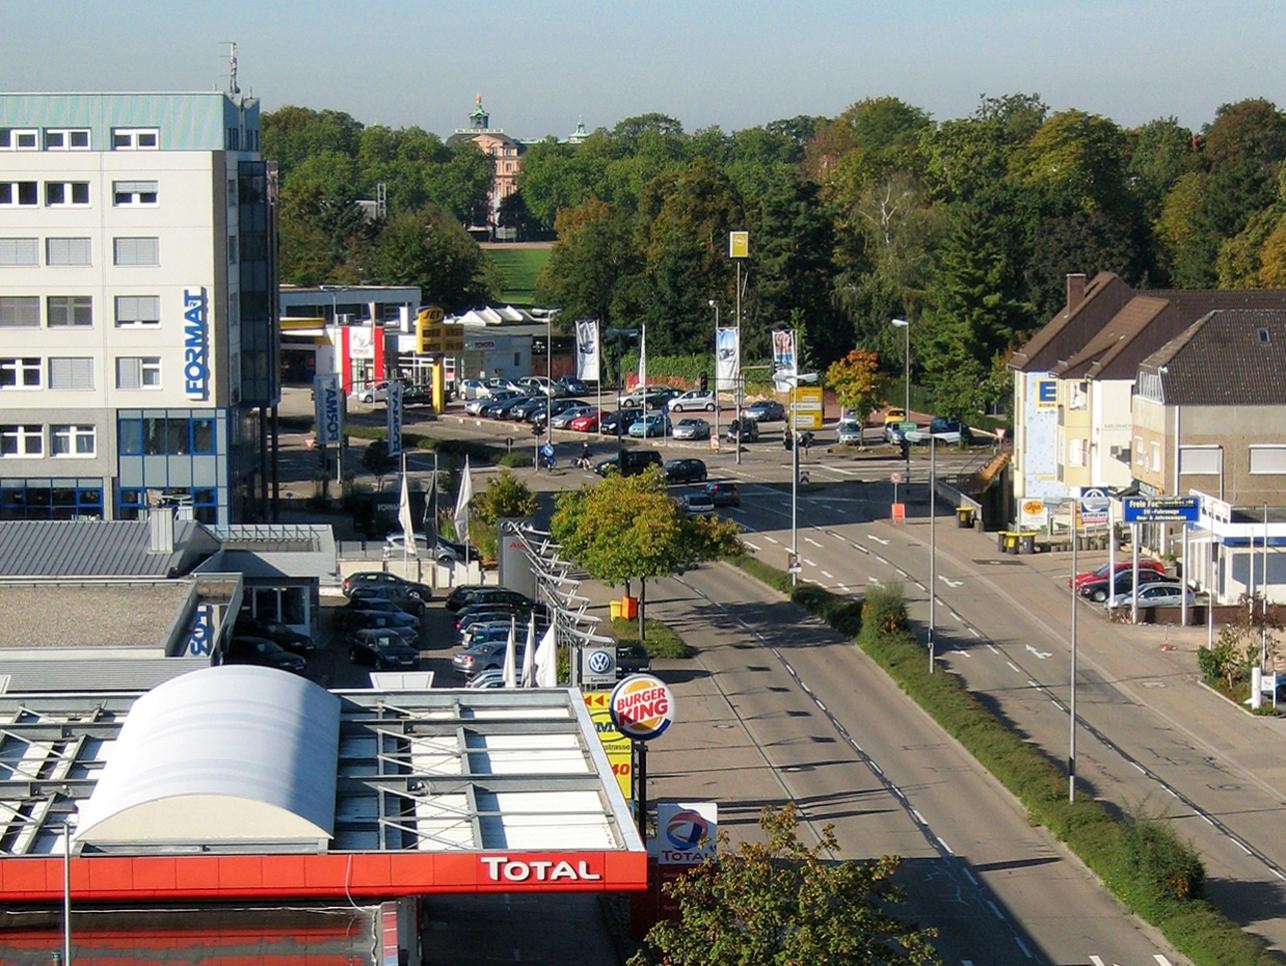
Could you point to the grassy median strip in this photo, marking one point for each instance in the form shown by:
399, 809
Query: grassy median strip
1158, 876
658, 639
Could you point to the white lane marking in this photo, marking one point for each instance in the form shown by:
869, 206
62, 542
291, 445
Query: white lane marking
875, 581
751, 545
918, 817
992, 906
974, 632
809, 562
1042, 655
878, 769
843, 587
993, 648
812, 541
1013, 667
1240, 846
1161, 960
1139, 768
828, 575
820, 705
1096, 961
970, 875
772, 540
871, 536
943, 843
1033, 684
917, 583
956, 616
1023, 946
949, 582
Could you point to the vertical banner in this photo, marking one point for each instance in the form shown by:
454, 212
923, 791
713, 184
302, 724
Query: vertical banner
643, 356
330, 408
393, 418
783, 358
587, 350
725, 358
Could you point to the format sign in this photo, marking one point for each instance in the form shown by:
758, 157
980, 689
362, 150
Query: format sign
1175, 509
196, 344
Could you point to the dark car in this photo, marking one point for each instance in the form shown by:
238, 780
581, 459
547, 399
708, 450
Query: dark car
264, 653
275, 631
503, 408
382, 650
562, 405
480, 657
463, 597
631, 462
724, 493
622, 417
397, 620
941, 425
573, 387
463, 593
685, 471
378, 578
523, 409
765, 411
385, 598
1098, 590
632, 659
490, 615
745, 430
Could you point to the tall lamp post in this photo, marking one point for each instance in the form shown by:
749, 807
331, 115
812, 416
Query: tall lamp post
906, 411
619, 335
794, 382
715, 305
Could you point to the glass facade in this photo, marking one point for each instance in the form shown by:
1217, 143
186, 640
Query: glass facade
259, 363
174, 457
59, 498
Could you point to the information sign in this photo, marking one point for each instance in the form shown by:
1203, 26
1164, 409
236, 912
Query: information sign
1175, 509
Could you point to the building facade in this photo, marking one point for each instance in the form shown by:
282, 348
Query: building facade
138, 333
505, 153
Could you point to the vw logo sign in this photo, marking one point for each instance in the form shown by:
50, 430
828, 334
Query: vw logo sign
600, 661
685, 830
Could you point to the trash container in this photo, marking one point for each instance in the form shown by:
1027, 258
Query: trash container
964, 516
1002, 539
630, 608
614, 608
1029, 543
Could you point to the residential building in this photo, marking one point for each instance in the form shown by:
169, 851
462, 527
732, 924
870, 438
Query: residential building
138, 334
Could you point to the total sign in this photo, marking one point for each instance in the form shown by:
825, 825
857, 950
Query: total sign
688, 832
642, 707
535, 870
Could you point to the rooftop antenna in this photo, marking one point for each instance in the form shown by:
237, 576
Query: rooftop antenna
232, 67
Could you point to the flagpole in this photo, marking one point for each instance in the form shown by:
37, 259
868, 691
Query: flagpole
433, 524
406, 537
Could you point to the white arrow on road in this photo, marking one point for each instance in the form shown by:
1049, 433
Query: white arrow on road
949, 582
1042, 655
812, 541
871, 536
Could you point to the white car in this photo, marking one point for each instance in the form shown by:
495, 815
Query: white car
535, 385
394, 542
493, 678
698, 504
375, 392
849, 432
1154, 595
692, 401
474, 389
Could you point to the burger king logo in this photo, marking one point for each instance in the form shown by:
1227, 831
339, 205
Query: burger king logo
642, 707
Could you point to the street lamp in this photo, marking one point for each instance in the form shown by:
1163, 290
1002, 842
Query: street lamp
715, 305
906, 411
620, 335
794, 382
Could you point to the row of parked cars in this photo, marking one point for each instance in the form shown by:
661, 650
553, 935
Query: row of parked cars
529, 386
381, 621
1115, 591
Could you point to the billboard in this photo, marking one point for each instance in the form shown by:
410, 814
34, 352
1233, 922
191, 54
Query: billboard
784, 362
620, 753
393, 419
587, 350
328, 397
727, 360
687, 832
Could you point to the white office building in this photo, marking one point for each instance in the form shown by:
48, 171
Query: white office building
138, 334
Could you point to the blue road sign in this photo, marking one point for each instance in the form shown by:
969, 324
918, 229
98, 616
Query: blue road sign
1175, 509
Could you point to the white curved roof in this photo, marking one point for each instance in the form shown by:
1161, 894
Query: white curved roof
224, 756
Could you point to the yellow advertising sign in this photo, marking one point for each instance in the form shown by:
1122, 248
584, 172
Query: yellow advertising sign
806, 407
619, 752
433, 336
738, 244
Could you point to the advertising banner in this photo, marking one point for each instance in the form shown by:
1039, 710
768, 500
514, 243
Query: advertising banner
1032, 515
687, 832
587, 350
783, 357
393, 419
1094, 504
1175, 509
619, 753
328, 397
726, 359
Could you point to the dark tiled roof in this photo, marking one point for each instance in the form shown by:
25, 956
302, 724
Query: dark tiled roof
1221, 360
1132, 319
1067, 332
83, 548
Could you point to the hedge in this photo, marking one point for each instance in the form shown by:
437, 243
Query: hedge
1155, 874
658, 639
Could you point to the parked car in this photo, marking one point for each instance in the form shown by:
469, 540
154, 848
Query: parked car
1100, 573
951, 430
526, 408
403, 625
475, 405
895, 433
724, 493
1099, 590
498, 630
537, 384
480, 657
765, 411
586, 423
382, 650
492, 678
500, 384
502, 408
849, 432
652, 424
280, 634
685, 471
378, 578
470, 594
691, 427
622, 418
635, 461
264, 653
572, 386
473, 389
698, 504
1158, 594
395, 541
563, 420
386, 600
894, 415
693, 399
495, 614
632, 659
637, 396
372, 393
419, 396
744, 430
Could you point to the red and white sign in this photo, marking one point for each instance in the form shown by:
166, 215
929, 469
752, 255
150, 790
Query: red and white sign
502, 868
642, 707
687, 832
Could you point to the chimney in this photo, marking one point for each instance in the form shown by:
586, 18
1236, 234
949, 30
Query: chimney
160, 530
1075, 291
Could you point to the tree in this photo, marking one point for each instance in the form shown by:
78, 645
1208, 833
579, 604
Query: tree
431, 250
377, 462
858, 383
505, 496
777, 901
594, 252
628, 528
1075, 162
1162, 152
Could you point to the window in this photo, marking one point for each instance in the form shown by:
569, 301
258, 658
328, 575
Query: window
19, 311
234, 139
232, 249
71, 372
19, 251
72, 440
1199, 459
14, 194
232, 192
22, 440
1076, 452
17, 139
134, 139
202, 435
20, 373
133, 194
1268, 459
67, 251
1156, 457
138, 372
66, 194
66, 139
136, 251
1140, 458
138, 310
62, 310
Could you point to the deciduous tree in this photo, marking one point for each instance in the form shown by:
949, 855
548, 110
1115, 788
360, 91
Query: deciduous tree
858, 383
504, 496
431, 250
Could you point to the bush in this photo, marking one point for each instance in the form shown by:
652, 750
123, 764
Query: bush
778, 580
515, 460
842, 613
658, 639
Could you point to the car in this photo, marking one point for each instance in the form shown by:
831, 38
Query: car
264, 653
403, 625
637, 396
896, 433
371, 393
745, 430
849, 432
419, 396
564, 419
470, 594
1157, 594
652, 424
473, 389
693, 399
691, 427
565, 403
491, 678
378, 578
382, 650
571, 386
685, 471
698, 504
536, 385
280, 634
499, 614
631, 462
498, 630
724, 493
894, 415
526, 408
483, 407
765, 411
474, 406
1099, 590
619, 421
503, 408
1100, 573
480, 657
951, 430
587, 423
500, 384
632, 659
449, 551
396, 541
385, 598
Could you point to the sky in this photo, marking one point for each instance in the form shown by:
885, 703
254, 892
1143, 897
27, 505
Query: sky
542, 66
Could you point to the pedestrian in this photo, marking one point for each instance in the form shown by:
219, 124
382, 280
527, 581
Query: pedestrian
583, 463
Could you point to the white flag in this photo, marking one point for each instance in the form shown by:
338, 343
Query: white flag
643, 357
529, 656
462, 505
726, 361
511, 658
404, 514
547, 661
587, 350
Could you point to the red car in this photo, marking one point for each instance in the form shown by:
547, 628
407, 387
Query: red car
1098, 573
584, 424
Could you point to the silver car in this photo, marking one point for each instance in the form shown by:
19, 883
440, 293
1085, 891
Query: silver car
692, 400
564, 419
691, 427
1154, 595
849, 432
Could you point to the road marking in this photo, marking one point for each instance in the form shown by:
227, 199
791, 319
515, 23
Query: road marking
812, 541
1241, 846
949, 582
943, 843
918, 817
828, 575
871, 536
809, 562
1023, 946
1161, 960
992, 906
969, 875
843, 587
819, 704
993, 648
974, 632
1042, 655
878, 769
751, 545
772, 540
1139, 768
1096, 961
1013, 667
956, 616
917, 583
1033, 684
875, 581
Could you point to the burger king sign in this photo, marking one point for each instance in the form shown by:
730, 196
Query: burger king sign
642, 707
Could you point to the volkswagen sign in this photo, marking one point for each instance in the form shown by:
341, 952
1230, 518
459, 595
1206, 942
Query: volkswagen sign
598, 665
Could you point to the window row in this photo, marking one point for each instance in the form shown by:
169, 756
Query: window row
134, 500
28, 440
23, 311
128, 251
1266, 459
166, 436
51, 499
76, 139
77, 372
75, 194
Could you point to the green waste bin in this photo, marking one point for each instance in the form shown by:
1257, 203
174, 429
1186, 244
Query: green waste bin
964, 516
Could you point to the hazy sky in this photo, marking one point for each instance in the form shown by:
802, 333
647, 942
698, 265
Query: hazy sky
540, 66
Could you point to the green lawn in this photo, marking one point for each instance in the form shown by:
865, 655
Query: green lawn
518, 268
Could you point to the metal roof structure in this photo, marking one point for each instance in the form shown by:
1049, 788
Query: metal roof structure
434, 791
81, 548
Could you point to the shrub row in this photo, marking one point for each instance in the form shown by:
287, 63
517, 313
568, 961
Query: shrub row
658, 639
477, 451
1157, 876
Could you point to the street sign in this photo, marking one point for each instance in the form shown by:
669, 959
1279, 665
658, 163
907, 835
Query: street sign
806, 407
738, 244
896, 478
1175, 509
